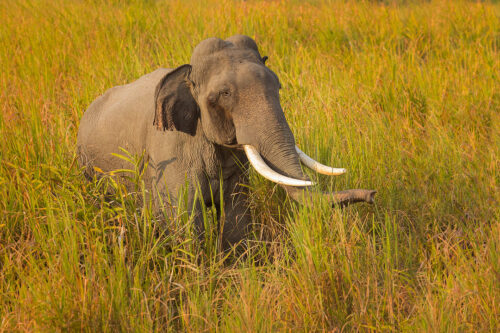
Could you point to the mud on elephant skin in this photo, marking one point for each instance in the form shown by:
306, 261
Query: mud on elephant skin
201, 122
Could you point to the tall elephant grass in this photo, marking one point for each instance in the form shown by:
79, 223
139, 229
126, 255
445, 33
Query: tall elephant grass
404, 94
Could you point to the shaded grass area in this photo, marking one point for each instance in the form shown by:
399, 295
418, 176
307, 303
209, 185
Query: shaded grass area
404, 94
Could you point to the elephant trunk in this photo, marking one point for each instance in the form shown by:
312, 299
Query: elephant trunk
341, 198
271, 137
276, 145
278, 150
263, 168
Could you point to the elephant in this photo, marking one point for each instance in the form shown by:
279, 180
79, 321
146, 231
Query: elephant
202, 124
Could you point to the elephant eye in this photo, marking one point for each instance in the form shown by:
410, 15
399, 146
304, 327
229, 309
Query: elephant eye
225, 93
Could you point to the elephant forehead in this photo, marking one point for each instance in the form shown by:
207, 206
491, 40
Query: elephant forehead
227, 60
226, 55
209, 46
213, 45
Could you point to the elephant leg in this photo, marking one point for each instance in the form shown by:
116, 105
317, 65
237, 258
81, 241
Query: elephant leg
236, 218
200, 197
169, 206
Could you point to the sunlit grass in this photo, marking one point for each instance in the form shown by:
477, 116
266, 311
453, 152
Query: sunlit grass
404, 94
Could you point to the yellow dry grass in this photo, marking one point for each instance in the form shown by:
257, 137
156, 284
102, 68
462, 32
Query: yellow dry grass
405, 94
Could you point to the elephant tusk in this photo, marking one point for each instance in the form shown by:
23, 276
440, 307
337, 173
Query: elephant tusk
318, 167
263, 169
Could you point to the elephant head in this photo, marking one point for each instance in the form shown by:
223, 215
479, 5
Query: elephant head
228, 89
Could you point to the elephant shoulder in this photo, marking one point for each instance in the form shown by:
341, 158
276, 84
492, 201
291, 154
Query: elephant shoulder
134, 97
120, 116
139, 91
157, 74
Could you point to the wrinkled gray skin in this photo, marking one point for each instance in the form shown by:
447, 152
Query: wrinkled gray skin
190, 123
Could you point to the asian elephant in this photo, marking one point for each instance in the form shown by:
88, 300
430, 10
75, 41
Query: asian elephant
202, 123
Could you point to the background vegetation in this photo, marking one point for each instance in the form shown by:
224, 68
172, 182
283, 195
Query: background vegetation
405, 94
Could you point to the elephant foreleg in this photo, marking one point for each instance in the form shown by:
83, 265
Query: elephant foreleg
235, 218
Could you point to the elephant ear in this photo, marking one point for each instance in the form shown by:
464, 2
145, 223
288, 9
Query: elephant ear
175, 107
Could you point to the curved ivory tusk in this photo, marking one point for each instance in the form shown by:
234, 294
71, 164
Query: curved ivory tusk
268, 173
318, 167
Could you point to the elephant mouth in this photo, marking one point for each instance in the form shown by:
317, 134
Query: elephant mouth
233, 144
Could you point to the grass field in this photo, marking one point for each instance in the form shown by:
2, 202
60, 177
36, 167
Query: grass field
404, 94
